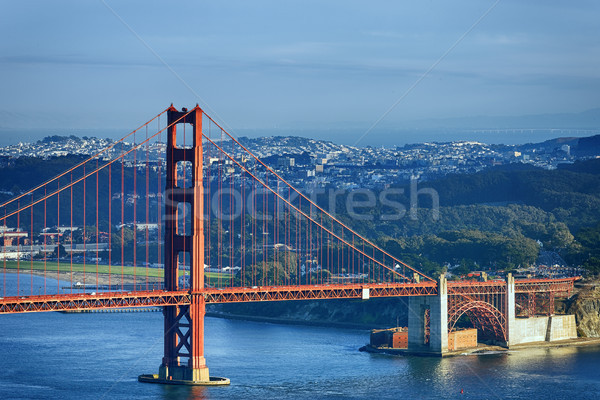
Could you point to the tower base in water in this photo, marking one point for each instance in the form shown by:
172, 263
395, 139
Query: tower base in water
182, 375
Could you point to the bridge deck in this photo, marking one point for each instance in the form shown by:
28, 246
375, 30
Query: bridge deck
104, 300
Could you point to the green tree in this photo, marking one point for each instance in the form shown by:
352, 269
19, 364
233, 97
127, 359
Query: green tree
59, 251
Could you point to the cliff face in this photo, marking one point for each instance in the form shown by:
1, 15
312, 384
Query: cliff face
586, 307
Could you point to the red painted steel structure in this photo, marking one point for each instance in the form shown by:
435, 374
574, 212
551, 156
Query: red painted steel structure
96, 301
184, 324
302, 232
318, 292
487, 313
468, 291
485, 302
354, 253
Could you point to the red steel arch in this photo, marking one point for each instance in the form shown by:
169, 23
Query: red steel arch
484, 316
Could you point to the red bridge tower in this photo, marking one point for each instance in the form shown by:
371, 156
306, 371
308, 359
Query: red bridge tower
183, 361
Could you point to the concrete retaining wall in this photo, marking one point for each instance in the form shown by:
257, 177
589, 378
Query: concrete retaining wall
527, 330
542, 329
562, 327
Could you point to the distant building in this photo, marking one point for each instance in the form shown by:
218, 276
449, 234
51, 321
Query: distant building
286, 162
11, 236
462, 339
394, 338
397, 338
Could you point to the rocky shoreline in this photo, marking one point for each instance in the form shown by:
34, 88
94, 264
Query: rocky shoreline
585, 305
484, 349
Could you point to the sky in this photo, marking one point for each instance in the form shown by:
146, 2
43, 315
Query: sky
293, 66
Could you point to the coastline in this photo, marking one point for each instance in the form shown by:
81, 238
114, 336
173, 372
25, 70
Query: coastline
286, 321
483, 349
89, 278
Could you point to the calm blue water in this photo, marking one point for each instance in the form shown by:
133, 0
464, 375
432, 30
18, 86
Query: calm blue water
74, 356
99, 356
25, 284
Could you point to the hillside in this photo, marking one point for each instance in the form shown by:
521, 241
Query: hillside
500, 218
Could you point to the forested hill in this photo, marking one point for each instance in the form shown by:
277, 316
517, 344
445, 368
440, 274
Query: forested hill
492, 219
499, 217
571, 193
23, 173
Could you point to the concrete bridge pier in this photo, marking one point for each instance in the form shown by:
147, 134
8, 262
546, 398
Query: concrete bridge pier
511, 329
537, 328
428, 321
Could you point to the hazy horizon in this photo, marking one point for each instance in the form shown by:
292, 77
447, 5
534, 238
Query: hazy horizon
298, 65
509, 130
340, 136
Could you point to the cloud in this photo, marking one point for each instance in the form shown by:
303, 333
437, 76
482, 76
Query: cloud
300, 49
297, 58
502, 39
71, 59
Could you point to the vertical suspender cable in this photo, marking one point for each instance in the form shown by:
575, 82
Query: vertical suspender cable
298, 245
18, 258
276, 234
110, 225
243, 231
84, 226
31, 244
134, 213
122, 216
158, 211
147, 208
220, 212
97, 229
307, 234
231, 216
208, 183
4, 258
288, 241
58, 237
321, 254
353, 256
45, 237
159, 204
310, 243
264, 233
71, 234
254, 230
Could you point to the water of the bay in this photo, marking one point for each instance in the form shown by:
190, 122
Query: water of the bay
99, 356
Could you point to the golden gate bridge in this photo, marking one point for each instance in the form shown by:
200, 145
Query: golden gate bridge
231, 230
